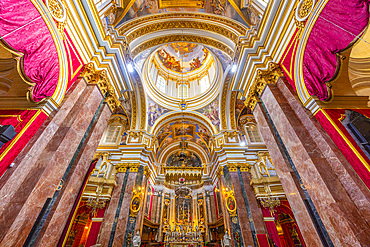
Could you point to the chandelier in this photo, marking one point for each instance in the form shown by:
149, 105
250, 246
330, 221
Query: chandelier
270, 202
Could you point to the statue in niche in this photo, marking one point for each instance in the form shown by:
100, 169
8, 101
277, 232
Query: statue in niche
136, 241
226, 241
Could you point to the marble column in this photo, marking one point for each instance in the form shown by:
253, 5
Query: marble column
41, 165
233, 221
59, 217
255, 207
243, 216
132, 220
118, 235
337, 193
109, 218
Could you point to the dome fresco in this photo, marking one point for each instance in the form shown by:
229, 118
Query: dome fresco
182, 57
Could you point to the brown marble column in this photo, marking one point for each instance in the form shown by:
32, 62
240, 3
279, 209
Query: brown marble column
244, 220
109, 215
287, 180
338, 194
59, 217
40, 168
113, 229
254, 206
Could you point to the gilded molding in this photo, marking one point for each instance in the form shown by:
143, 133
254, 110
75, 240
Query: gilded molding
244, 167
92, 76
131, 25
231, 134
223, 101
59, 13
122, 167
302, 12
269, 76
232, 109
181, 24
178, 38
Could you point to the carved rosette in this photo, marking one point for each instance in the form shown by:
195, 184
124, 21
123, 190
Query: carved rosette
269, 76
101, 79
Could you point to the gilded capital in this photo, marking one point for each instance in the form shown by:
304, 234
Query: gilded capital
269, 76
92, 76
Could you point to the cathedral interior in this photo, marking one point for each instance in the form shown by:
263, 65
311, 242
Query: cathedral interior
184, 123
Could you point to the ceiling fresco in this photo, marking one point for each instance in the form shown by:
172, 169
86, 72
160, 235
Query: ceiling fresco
141, 58
182, 57
223, 57
154, 112
183, 131
228, 8
241, 110
211, 111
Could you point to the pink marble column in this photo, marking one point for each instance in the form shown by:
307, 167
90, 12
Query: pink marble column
40, 167
254, 206
339, 196
73, 185
124, 213
242, 211
287, 179
110, 212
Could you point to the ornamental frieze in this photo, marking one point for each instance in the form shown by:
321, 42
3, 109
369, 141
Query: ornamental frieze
177, 38
182, 25
234, 25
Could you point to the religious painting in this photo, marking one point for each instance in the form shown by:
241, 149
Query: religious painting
183, 130
228, 8
141, 58
211, 111
231, 204
199, 4
161, 138
126, 104
135, 205
182, 57
149, 197
223, 57
154, 112
201, 209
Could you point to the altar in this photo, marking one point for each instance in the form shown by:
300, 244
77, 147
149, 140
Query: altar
183, 244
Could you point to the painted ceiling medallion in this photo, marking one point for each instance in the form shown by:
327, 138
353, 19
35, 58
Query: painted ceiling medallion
182, 57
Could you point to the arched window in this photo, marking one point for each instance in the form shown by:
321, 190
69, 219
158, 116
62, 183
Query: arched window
183, 91
112, 133
161, 84
253, 133
204, 83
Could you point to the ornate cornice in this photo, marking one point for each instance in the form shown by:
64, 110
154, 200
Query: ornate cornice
182, 24
177, 38
269, 76
195, 20
122, 167
92, 76
244, 167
